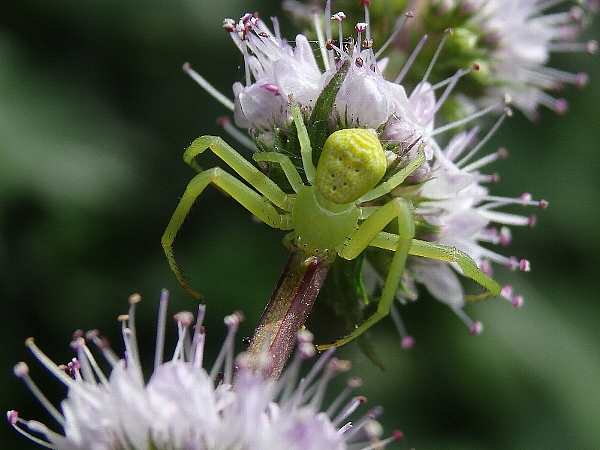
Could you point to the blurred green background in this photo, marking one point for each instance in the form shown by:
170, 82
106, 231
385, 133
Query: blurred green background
95, 113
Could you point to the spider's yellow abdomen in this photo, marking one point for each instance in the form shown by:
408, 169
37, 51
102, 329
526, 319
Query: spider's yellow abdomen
351, 164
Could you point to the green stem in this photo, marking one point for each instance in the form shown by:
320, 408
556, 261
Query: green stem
288, 309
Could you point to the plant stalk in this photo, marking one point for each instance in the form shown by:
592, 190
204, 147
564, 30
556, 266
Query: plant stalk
288, 309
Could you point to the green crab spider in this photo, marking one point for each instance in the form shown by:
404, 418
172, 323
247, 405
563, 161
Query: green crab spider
326, 215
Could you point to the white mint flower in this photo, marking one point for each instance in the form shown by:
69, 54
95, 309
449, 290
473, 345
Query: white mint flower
180, 407
278, 71
519, 38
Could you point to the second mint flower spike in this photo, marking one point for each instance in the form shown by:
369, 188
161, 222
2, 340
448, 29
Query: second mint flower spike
183, 406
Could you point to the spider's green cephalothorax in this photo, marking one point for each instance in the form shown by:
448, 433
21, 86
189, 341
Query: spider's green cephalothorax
336, 222
351, 164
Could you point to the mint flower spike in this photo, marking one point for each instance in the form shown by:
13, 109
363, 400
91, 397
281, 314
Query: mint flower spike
277, 72
512, 41
181, 406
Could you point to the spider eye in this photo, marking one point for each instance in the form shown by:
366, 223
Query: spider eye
351, 164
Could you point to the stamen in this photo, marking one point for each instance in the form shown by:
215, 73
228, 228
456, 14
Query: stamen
338, 17
475, 327
198, 341
351, 384
103, 345
505, 236
373, 430
21, 370
451, 83
321, 39
83, 367
397, 435
226, 355
184, 320
558, 105
406, 340
523, 200
317, 391
212, 91
328, 35
517, 301
126, 333
161, 325
513, 263
134, 353
589, 47
360, 28
276, 30
398, 25
447, 33
314, 371
506, 291
14, 419
236, 133
73, 369
486, 138
410, 60
91, 363
472, 117
501, 153
366, 4
244, 47
48, 363
289, 378
359, 425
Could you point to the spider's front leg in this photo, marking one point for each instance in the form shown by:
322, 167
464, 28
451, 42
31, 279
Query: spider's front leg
367, 231
258, 205
241, 165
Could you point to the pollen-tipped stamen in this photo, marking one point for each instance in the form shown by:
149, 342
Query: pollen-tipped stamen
406, 340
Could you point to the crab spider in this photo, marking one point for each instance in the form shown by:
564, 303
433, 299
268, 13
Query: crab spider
326, 215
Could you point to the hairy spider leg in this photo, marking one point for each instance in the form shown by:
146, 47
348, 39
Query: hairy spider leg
286, 165
445, 253
258, 205
239, 164
305, 146
396, 179
397, 208
394, 242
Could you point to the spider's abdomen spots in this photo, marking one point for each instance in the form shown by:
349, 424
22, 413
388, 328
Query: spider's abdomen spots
351, 164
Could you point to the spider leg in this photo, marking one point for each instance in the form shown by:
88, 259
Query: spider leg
286, 164
368, 230
241, 165
396, 179
258, 205
447, 254
305, 146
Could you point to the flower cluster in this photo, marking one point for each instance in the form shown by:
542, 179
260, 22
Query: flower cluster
453, 206
512, 41
518, 38
180, 406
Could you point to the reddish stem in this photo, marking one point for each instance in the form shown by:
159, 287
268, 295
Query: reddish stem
288, 309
